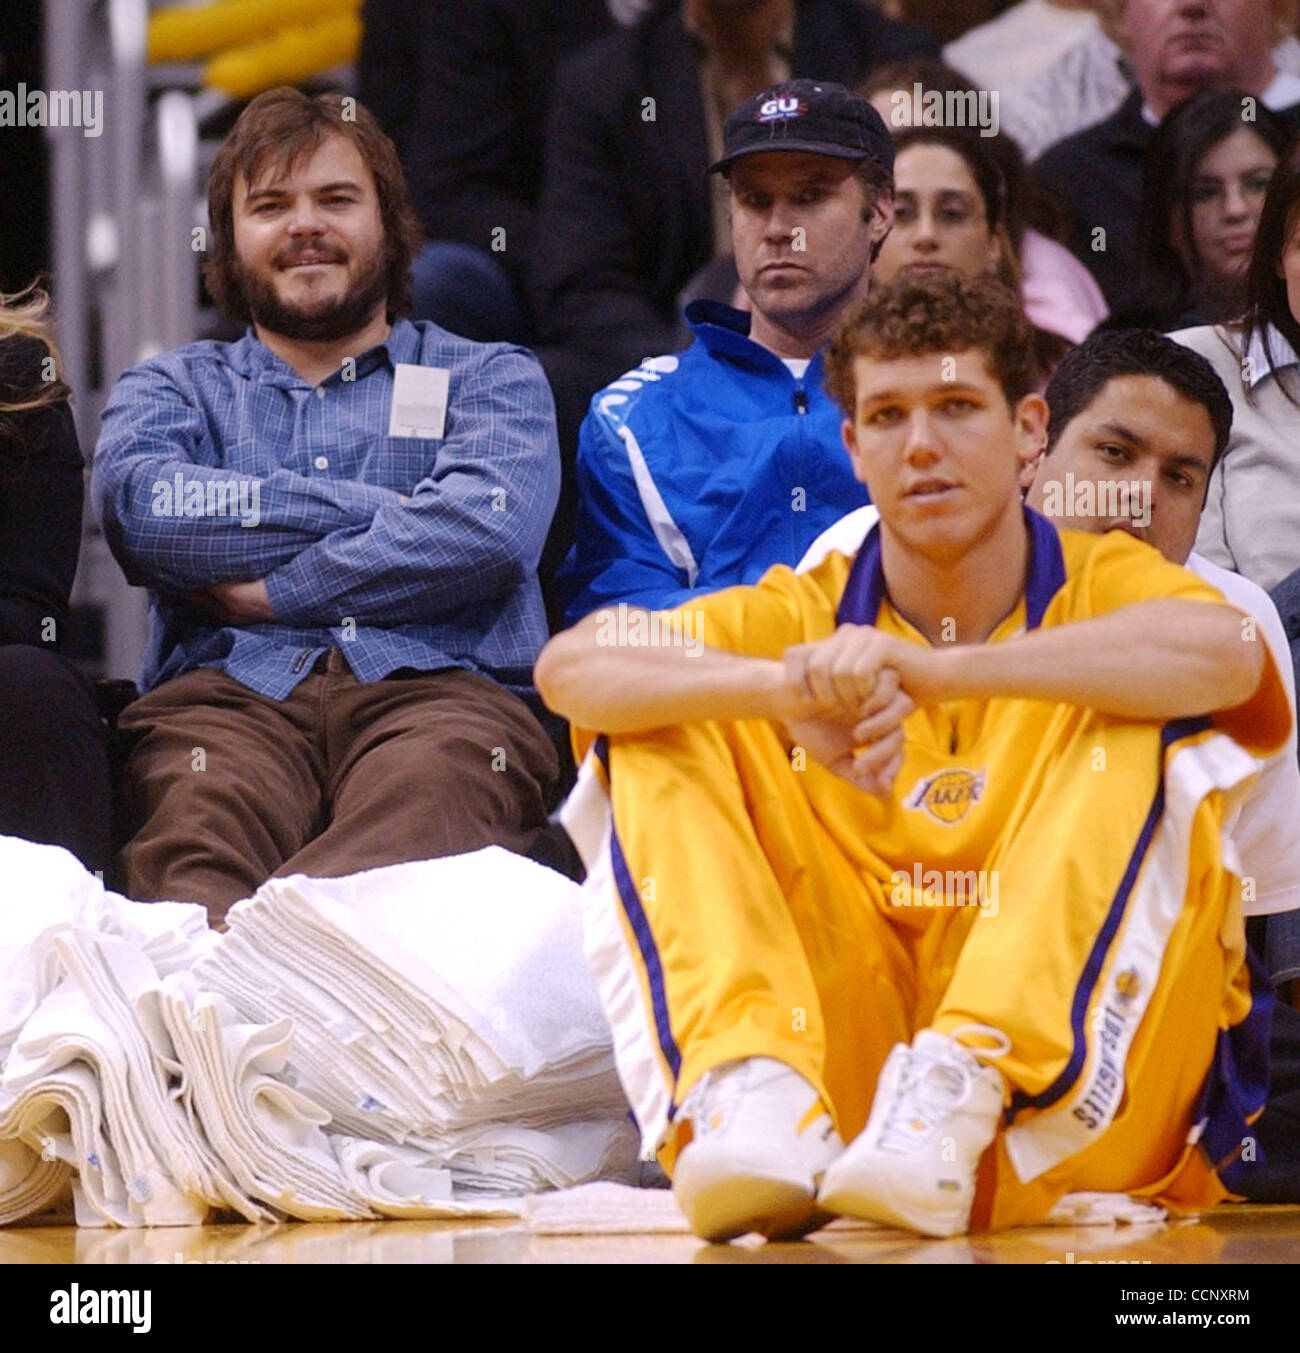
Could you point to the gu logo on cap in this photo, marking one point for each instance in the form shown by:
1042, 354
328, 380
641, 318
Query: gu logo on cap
776, 109
809, 117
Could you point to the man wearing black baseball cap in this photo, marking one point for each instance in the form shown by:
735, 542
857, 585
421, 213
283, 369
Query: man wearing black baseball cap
700, 470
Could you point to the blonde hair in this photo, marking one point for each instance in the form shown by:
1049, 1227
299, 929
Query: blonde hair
25, 315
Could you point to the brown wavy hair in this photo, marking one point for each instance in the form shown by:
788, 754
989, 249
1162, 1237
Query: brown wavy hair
946, 314
282, 127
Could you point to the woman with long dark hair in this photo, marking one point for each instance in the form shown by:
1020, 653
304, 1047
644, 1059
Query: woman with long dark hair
1207, 170
950, 211
54, 776
1251, 521
1059, 293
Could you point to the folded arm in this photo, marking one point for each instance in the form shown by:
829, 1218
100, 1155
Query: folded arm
1152, 660
152, 431
845, 696
629, 688
473, 529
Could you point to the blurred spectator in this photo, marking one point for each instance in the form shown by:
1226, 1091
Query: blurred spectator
54, 777
628, 216
1010, 50
1251, 522
462, 87
950, 212
1090, 81
700, 472
1178, 48
1207, 172
1059, 292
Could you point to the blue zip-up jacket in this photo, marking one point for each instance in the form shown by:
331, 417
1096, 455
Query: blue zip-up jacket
701, 470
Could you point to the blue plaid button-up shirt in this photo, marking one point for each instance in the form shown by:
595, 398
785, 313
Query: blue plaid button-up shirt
218, 463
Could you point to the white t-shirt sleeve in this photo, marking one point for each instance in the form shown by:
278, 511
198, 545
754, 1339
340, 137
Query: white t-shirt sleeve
1266, 828
846, 535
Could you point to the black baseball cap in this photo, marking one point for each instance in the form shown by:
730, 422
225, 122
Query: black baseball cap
810, 115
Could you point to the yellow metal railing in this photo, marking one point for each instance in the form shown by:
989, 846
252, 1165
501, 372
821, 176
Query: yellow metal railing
251, 45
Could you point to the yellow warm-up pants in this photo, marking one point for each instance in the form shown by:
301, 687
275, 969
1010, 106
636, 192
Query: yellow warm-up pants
736, 910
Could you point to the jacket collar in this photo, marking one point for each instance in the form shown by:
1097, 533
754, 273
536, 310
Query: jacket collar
1256, 366
724, 333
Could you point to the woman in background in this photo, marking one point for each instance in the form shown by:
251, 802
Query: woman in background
1251, 521
950, 211
1207, 170
1059, 293
54, 776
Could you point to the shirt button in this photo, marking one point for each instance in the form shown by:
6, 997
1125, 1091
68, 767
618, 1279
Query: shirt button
320, 392
322, 462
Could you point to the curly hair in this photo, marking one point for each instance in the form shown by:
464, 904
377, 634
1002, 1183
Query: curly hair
284, 127
948, 314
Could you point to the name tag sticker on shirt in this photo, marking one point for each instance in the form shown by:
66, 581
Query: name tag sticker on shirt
419, 401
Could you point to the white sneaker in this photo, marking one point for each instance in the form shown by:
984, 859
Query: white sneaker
761, 1141
936, 1110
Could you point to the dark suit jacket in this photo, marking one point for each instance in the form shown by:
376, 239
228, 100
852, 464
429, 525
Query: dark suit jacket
1096, 175
625, 217
462, 87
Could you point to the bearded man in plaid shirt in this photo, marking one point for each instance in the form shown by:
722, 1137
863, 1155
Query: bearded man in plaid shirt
338, 518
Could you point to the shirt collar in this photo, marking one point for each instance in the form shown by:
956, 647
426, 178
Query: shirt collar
251, 357
1283, 92
864, 590
1256, 366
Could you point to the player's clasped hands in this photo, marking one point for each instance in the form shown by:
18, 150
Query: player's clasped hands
849, 706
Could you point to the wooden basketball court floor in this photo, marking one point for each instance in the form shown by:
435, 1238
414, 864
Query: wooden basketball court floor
1234, 1234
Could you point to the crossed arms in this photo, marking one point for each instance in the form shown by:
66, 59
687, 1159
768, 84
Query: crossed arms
845, 697
325, 548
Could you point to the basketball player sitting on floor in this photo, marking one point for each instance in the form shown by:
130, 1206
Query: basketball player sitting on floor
921, 850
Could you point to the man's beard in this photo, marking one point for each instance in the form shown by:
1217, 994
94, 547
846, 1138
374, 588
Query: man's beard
348, 315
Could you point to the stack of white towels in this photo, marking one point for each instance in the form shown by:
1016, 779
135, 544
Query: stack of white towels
421, 1040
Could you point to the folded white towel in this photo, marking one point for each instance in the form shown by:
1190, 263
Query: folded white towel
419, 1041
430, 1001
29, 1181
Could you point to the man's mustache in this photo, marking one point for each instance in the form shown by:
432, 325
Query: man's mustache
288, 256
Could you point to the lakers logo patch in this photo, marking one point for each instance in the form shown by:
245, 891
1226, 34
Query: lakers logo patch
947, 795
1127, 985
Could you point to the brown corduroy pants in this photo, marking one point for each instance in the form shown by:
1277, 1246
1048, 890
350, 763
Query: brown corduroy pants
226, 788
